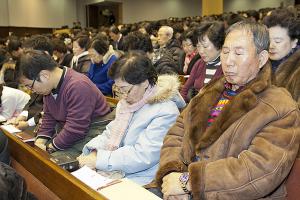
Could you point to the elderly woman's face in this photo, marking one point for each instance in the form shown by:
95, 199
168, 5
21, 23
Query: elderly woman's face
280, 43
131, 93
207, 50
188, 46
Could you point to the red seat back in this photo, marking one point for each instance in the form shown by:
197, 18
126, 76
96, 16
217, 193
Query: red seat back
293, 182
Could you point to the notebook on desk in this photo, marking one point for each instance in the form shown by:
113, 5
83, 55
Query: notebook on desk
113, 189
127, 189
10, 128
26, 137
91, 177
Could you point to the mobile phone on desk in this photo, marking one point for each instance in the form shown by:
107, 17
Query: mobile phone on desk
65, 161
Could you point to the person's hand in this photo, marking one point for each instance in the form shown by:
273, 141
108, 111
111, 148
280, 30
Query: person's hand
16, 120
41, 143
89, 160
171, 185
21, 118
22, 125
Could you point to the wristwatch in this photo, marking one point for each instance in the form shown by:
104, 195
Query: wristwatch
183, 179
50, 150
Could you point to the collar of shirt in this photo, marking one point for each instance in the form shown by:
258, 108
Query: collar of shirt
56, 90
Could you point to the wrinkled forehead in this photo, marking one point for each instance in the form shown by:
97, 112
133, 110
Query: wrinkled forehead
239, 37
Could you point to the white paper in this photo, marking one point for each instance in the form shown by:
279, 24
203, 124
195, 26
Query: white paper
11, 128
127, 189
91, 177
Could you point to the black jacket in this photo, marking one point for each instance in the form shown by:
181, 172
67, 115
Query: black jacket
12, 185
178, 55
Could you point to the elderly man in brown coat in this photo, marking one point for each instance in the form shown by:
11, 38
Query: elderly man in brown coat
239, 137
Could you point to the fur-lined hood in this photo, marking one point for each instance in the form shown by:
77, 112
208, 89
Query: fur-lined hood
167, 88
200, 136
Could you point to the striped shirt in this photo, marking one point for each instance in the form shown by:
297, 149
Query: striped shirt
227, 95
211, 68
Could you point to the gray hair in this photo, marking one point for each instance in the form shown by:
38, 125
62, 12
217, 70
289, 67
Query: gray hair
168, 29
259, 32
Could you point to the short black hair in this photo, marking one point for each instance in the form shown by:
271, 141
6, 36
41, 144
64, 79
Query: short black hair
285, 19
32, 62
83, 41
133, 67
215, 31
137, 41
253, 13
233, 18
189, 35
14, 45
59, 45
40, 42
100, 44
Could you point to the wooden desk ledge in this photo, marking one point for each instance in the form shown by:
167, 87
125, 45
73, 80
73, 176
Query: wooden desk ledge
56, 179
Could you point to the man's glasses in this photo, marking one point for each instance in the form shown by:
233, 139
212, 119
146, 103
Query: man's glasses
30, 87
126, 93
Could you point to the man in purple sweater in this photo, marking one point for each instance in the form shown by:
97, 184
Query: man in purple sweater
71, 102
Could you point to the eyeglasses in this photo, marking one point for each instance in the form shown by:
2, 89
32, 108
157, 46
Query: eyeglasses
127, 92
31, 86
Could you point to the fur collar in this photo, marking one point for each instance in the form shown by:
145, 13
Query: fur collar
201, 105
287, 69
166, 88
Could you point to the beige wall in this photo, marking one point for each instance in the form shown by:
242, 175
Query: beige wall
235, 5
137, 10
140, 10
37, 13
3, 12
56, 13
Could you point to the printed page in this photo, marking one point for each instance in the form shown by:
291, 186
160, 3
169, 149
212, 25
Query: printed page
120, 191
11, 128
91, 177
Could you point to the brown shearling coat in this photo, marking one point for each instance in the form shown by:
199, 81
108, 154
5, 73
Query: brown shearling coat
287, 75
248, 151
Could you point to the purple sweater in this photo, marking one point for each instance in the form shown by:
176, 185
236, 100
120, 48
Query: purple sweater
196, 78
77, 103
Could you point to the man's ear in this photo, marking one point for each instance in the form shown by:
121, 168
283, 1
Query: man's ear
263, 58
45, 75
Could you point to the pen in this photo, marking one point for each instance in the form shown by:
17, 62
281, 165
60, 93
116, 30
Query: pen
109, 184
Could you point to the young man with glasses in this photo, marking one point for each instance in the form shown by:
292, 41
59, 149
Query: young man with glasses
71, 102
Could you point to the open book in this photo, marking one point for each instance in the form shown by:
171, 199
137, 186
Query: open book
10, 128
25, 137
91, 177
113, 189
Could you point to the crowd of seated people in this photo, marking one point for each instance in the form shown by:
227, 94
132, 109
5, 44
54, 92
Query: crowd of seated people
230, 131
